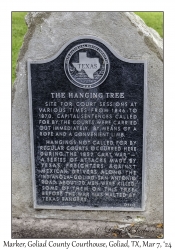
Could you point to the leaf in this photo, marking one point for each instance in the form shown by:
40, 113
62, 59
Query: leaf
114, 234
160, 225
160, 236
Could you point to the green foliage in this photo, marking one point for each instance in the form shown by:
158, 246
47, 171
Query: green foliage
153, 19
19, 28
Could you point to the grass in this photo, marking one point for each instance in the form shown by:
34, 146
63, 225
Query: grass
19, 28
153, 19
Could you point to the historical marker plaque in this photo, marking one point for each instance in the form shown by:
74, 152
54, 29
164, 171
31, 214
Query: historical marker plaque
87, 128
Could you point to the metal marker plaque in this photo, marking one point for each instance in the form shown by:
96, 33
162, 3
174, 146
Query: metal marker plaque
87, 128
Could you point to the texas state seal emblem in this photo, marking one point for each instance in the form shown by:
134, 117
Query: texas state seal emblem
86, 65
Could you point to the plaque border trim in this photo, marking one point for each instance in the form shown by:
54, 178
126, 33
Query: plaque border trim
83, 208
